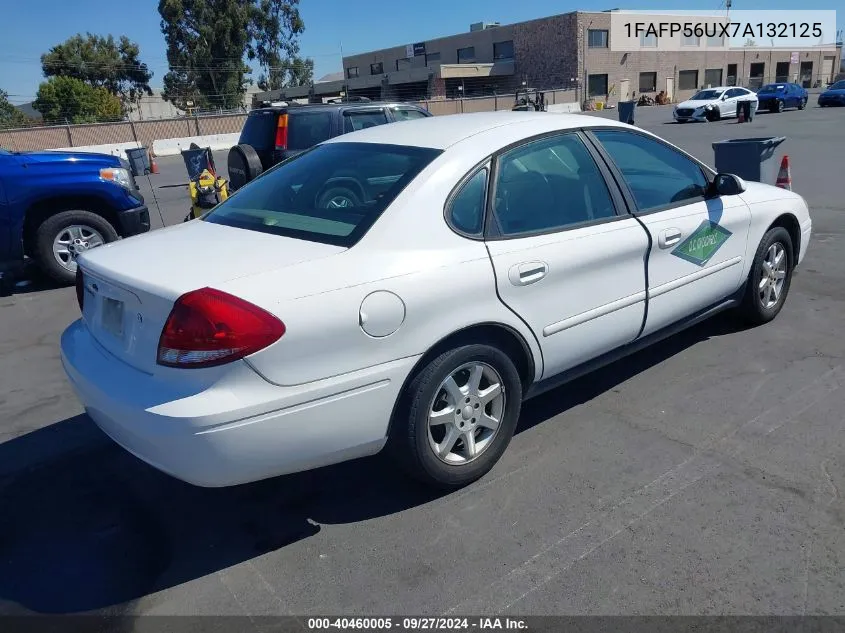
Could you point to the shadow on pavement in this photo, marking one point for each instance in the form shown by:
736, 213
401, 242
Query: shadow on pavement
85, 526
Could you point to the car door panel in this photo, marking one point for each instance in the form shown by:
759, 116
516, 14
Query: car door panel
582, 291
697, 244
728, 106
564, 260
703, 262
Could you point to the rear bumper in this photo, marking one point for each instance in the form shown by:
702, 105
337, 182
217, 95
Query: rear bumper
133, 221
235, 427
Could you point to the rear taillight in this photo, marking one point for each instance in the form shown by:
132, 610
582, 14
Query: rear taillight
80, 287
209, 327
282, 132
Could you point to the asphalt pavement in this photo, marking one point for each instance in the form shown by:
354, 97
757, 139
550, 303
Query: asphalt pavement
701, 476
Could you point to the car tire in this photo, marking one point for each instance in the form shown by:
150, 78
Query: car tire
713, 116
759, 306
73, 231
802, 104
414, 440
338, 198
778, 106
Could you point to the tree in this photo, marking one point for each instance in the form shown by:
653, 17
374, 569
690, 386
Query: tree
209, 41
101, 62
290, 72
68, 99
10, 116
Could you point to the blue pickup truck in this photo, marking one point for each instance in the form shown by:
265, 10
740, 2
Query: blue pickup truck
54, 205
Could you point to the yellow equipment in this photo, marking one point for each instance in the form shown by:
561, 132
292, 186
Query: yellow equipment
207, 191
205, 187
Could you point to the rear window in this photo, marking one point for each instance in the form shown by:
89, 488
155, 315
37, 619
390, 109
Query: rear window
773, 88
361, 119
331, 194
306, 129
259, 129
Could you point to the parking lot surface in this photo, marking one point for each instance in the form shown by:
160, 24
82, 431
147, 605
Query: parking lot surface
702, 476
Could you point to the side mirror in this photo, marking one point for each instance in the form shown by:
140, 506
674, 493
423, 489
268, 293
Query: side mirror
728, 185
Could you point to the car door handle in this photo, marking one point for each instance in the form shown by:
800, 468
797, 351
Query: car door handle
527, 273
668, 238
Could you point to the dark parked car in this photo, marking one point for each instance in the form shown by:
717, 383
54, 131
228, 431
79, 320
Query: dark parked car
834, 95
779, 96
272, 134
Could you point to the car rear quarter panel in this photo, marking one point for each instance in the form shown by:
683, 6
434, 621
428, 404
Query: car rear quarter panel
445, 282
767, 204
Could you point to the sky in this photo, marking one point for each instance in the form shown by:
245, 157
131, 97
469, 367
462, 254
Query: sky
330, 26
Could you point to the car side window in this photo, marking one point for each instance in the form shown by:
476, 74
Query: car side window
657, 175
466, 210
549, 184
358, 120
408, 114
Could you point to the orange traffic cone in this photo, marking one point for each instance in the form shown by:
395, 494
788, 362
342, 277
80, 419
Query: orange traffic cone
153, 163
784, 180
740, 118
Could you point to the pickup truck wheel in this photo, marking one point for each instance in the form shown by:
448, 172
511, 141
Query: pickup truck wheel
62, 237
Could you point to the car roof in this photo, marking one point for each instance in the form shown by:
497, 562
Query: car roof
441, 132
345, 104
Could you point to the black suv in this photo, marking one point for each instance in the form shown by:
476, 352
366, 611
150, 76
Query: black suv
275, 133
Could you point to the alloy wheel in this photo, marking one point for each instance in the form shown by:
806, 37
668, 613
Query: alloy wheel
466, 413
73, 240
773, 275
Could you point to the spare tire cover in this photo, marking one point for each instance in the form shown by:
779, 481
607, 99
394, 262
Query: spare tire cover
244, 165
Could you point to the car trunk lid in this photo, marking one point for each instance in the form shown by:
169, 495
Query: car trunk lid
130, 286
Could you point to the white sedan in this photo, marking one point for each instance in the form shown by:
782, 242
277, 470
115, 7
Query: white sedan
482, 259
712, 104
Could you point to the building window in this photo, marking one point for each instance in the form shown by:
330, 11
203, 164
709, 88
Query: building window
688, 80
713, 77
715, 42
403, 64
352, 72
377, 68
597, 38
648, 41
648, 82
597, 86
693, 40
431, 57
503, 50
466, 55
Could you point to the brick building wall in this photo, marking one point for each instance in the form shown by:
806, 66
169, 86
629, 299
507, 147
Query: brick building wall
546, 51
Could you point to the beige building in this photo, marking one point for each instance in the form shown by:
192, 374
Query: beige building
571, 50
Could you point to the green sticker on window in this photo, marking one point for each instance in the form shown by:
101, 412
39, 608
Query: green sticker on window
703, 243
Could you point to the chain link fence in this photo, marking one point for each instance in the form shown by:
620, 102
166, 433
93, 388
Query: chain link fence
40, 137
